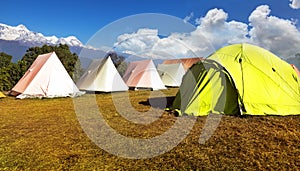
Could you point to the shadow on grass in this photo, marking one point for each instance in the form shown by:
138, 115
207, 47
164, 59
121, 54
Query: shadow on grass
96, 92
159, 102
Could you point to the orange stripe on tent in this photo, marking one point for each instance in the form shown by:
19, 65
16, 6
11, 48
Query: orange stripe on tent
296, 69
30, 74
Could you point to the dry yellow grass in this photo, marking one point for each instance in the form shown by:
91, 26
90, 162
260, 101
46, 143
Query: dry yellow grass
46, 135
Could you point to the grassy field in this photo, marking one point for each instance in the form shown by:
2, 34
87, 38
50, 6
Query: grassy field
45, 134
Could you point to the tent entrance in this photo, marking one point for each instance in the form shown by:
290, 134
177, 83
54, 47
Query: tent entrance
207, 88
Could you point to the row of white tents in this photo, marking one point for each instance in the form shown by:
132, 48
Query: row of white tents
47, 77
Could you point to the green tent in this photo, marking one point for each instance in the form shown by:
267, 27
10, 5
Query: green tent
239, 79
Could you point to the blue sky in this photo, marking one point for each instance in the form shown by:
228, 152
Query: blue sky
84, 18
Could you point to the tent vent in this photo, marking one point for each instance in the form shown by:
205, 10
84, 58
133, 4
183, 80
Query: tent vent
273, 70
240, 60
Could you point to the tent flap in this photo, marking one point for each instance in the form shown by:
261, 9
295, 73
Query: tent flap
206, 88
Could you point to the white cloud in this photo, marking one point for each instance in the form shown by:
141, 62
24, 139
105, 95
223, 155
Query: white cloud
295, 4
174, 46
275, 34
214, 31
146, 42
188, 18
140, 42
214, 17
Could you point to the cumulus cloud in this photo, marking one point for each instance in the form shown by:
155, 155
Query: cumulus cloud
295, 4
147, 42
139, 42
278, 35
213, 31
214, 17
216, 30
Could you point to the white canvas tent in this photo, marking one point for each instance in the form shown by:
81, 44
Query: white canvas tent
102, 75
46, 77
143, 74
171, 74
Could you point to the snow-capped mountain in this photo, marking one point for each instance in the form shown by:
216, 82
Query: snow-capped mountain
16, 40
29, 38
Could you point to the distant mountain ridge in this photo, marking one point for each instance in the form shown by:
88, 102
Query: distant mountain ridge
16, 40
21, 34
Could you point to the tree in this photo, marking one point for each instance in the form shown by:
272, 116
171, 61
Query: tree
5, 68
11, 74
5, 59
5, 84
